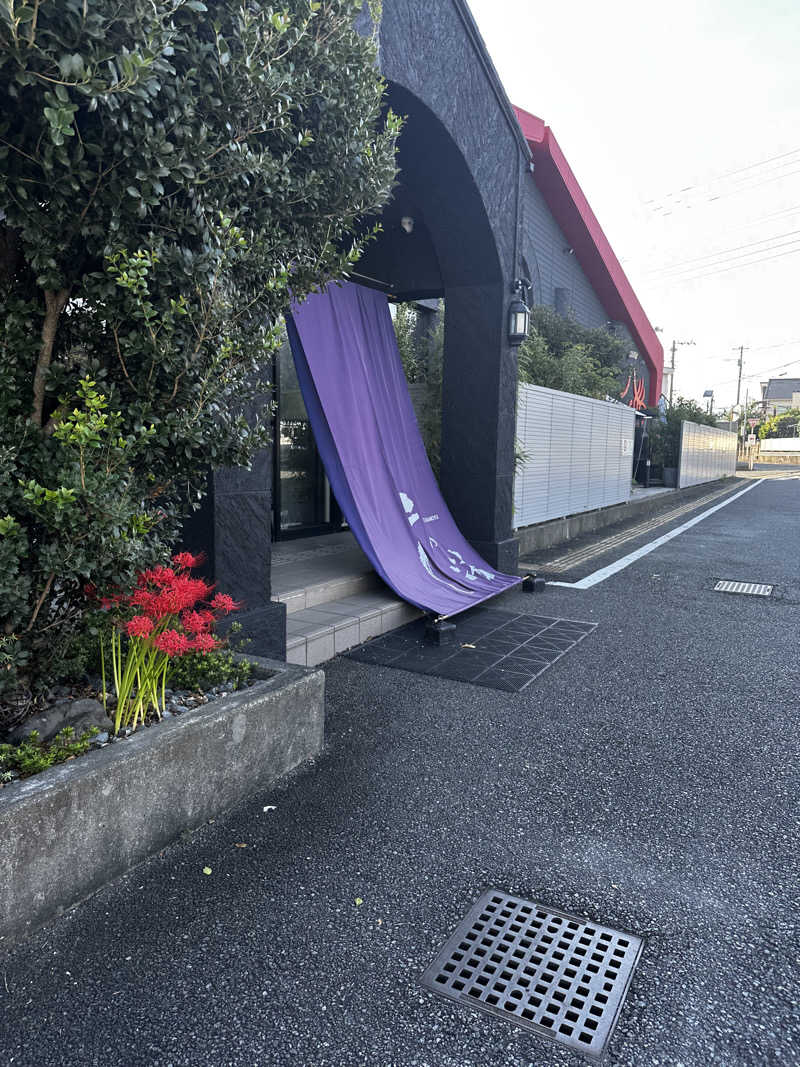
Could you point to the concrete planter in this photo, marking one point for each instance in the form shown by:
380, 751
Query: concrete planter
77, 826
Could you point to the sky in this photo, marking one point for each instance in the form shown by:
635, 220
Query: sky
681, 122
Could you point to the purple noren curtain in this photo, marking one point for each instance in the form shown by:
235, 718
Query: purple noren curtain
357, 399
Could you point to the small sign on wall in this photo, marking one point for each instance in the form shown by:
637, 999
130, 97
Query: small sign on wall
627, 446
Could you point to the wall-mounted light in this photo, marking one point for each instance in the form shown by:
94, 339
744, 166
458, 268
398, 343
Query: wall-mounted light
519, 316
568, 250
407, 223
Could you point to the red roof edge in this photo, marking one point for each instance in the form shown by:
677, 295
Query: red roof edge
570, 208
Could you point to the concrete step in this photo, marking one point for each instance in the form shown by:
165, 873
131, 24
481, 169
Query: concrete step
317, 634
335, 587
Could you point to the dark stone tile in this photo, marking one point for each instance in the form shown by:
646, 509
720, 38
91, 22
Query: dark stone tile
497, 644
256, 479
498, 660
505, 680
242, 547
265, 628
375, 654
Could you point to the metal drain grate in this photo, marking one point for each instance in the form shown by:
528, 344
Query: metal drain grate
750, 588
555, 974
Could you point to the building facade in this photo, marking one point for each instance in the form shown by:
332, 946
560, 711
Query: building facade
484, 199
779, 395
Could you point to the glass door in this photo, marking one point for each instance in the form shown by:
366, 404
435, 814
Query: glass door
304, 504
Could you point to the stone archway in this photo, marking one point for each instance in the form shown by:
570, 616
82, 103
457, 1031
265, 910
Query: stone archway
462, 158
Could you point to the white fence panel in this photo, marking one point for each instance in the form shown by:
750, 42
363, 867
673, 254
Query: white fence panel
780, 444
580, 454
707, 453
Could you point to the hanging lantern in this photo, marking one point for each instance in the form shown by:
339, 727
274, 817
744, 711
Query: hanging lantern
518, 320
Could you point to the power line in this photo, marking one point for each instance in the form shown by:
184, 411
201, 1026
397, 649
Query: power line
704, 268
794, 210
761, 163
721, 252
736, 266
727, 174
780, 344
756, 374
755, 185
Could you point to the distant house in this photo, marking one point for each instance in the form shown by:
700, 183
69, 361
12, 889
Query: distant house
779, 395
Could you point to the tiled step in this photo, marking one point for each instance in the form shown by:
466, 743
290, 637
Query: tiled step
317, 634
333, 588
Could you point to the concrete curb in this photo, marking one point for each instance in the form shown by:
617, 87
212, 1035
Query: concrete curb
555, 531
74, 828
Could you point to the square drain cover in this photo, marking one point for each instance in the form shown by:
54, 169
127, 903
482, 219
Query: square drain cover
556, 974
750, 588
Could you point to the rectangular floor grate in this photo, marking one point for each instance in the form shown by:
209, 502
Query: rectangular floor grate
556, 974
493, 648
749, 588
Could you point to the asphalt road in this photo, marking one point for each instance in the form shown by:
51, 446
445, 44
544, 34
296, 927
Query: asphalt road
647, 780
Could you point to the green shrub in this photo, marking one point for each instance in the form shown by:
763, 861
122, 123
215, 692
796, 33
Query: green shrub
165, 171
665, 435
32, 755
422, 364
201, 671
559, 353
785, 425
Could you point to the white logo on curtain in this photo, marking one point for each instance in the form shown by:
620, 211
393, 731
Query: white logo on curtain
459, 566
408, 508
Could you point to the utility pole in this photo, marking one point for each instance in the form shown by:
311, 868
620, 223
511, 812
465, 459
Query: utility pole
672, 375
741, 350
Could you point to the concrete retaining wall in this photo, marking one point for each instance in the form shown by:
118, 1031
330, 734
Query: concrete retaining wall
74, 828
545, 534
779, 458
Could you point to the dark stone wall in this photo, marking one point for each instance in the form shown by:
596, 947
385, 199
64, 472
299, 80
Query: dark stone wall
462, 160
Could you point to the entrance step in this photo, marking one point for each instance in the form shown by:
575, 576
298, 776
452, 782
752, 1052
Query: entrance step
317, 634
332, 588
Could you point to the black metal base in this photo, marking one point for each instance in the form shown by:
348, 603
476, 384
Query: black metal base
440, 632
532, 584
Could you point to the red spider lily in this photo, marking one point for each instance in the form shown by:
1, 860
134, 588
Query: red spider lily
158, 576
172, 643
167, 614
182, 594
139, 626
146, 600
186, 561
197, 622
224, 603
203, 643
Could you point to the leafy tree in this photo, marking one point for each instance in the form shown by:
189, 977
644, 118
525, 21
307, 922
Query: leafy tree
422, 364
559, 353
167, 172
665, 436
785, 425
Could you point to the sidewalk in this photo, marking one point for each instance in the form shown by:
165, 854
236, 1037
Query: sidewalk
646, 780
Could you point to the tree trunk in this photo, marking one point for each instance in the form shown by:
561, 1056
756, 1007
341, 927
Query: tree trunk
55, 301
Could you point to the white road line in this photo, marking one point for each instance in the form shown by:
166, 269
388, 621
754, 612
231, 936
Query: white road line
621, 564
